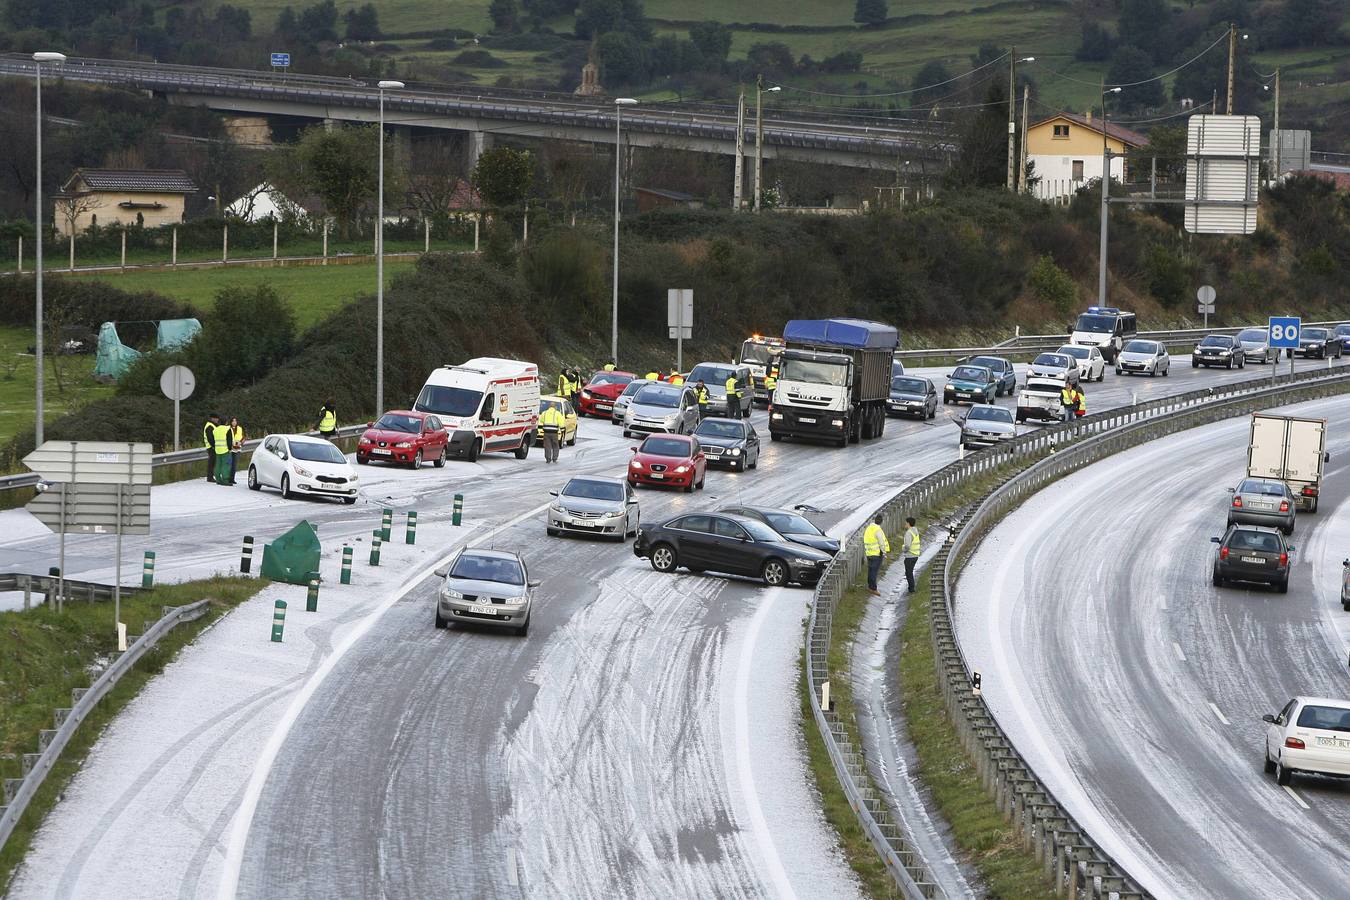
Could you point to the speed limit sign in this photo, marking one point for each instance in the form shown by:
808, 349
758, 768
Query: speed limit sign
1284, 331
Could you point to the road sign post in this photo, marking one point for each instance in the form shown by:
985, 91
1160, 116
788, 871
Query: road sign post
680, 320
1205, 298
281, 61
1283, 333
177, 383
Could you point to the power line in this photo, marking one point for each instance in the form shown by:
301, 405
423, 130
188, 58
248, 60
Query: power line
1166, 74
1000, 58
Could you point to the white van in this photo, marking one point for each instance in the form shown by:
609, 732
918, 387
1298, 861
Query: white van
485, 404
1106, 328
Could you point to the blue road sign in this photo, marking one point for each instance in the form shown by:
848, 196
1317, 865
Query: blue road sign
1284, 331
281, 60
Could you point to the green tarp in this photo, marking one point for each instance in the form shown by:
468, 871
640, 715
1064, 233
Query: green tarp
113, 356
174, 333
293, 557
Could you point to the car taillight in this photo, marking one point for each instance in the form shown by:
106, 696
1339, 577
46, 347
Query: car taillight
1309, 491
1284, 506
1223, 553
1237, 503
1294, 743
1284, 559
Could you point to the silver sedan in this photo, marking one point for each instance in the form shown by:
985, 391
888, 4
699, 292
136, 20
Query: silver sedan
1256, 345
661, 408
1262, 501
485, 587
596, 505
985, 425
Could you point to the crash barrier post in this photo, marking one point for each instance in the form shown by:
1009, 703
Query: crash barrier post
375, 552
410, 532
148, 570
386, 524
312, 596
347, 564
278, 621
458, 515
246, 557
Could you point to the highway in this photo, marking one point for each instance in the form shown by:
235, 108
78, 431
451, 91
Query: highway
1135, 689
642, 741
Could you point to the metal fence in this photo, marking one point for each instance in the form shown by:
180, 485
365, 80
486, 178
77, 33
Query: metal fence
1077, 865
19, 792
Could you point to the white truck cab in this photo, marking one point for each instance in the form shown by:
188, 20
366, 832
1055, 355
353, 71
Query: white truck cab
485, 404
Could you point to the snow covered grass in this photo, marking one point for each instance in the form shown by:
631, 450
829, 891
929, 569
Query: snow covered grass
44, 654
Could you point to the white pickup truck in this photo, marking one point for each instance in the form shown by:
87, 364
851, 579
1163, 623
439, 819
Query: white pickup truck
1292, 450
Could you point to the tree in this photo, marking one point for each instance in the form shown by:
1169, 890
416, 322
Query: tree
1095, 43
625, 59
433, 175
773, 58
363, 23
503, 176
288, 24
597, 17
1207, 77
932, 74
505, 16
1146, 23
70, 207
983, 160
233, 23
248, 332
713, 40
870, 13
1129, 66
318, 23
1307, 23
338, 166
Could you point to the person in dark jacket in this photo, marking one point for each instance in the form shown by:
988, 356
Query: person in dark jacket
209, 442
327, 424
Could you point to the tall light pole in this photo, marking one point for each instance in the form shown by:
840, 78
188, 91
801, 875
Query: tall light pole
38, 59
760, 91
619, 104
379, 259
1106, 192
1012, 114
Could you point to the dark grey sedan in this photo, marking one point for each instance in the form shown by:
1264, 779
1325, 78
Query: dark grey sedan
790, 524
1253, 553
1319, 343
733, 443
912, 396
1263, 501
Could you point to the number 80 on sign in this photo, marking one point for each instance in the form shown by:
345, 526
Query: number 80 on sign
1284, 331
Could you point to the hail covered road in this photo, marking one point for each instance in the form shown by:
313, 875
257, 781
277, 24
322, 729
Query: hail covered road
1135, 688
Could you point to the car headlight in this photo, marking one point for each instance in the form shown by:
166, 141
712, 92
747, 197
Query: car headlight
560, 510
837, 423
776, 416
303, 472
451, 594
366, 440
803, 561
635, 465
1225, 352
679, 470
735, 451
403, 445
948, 387
670, 419
586, 395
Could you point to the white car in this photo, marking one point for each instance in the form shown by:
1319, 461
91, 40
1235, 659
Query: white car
1310, 735
1091, 364
1055, 365
298, 465
1144, 358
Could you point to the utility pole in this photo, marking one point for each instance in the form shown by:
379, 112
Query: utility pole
1232, 55
760, 91
739, 188
1106, 191
1277, 142
1012, 107
1022, 160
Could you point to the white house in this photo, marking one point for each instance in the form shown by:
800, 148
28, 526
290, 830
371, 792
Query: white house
1067, 152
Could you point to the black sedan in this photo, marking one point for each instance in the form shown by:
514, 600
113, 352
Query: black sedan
1253, 553
790, 524
912, 396
736, 545
733, 443
1002, 369
1319, 343
1218, 350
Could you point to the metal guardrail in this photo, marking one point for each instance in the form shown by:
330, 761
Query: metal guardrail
48, 585
19, 792
1070, 856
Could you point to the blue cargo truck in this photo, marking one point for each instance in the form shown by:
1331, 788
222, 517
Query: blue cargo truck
834, 377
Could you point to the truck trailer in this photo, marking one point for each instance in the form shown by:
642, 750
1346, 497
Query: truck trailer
1290, 449
834, 377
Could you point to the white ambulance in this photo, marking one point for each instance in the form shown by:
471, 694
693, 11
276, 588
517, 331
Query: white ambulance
485, 404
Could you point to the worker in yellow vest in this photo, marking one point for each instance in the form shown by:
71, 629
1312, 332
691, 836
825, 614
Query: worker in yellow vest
701, 392
565, 384
609, 366
327, 424
236, 436
675, 377
875, 547
209, 442
653, 375
553, 423
733, 398
909, 545
220, 445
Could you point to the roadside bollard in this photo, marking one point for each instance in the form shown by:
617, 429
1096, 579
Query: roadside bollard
148, 570
246, 560
375, 552
458, 515
312, 598
278, 621
410, 533
346, 565
386, 524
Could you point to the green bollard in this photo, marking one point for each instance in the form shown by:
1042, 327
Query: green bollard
347, 565
375, 552
458, 515
246, 558
148, 570
410, 533
278, 621
312, 598
386, 524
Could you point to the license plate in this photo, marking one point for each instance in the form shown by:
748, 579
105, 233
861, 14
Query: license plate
482, 610
806, 421
658, 475
1254, 559
1261, 505
604, 406
328, 487
381, 452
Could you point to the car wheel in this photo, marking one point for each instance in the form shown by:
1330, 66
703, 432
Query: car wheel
1282, 775
1283, 586
573, 441
1270, 763
689, 488
416, 461
1165, 370
1242, 362
362, 460
1345, 605
552, 532
1218, 579
253, 484
775, 572
286, 487
701, 480
439, 461
524, 630
1020, 419
663, 558
1119, 370
1194, 364
441, 622
348, 501
474, 449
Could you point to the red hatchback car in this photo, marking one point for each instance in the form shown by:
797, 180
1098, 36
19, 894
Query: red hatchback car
407, 438
673, 459
597, 397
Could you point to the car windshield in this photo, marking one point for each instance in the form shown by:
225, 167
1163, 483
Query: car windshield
721, 429
834, 374
970, 373
1327, 718
395, 422
550, 404
1053, 360
634, 387
472, 567
755, 352
1254, 540
593, 489
990, 414
759, 531
791, 523
1076, 352
1256, 486
1317, 334
1217, 340
710, 375
317, 452
609, 378
1095, 324
653, 395
992, 363
1342, 329
1149, 347
449, 401
1253, 336
665, 446
905, 385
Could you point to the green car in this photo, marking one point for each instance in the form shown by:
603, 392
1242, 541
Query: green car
970, 384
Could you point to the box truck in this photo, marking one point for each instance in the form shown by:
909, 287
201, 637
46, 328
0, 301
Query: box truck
485, 404
834, 377
1290, 449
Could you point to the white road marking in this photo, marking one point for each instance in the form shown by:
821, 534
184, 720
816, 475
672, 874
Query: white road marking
1177, 647
512, 876
1297, 798
248, 805
1221, 716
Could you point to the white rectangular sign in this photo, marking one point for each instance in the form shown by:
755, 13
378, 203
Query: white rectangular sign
680, 312
93, 462
1223, 171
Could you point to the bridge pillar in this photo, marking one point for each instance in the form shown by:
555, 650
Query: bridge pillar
479, 142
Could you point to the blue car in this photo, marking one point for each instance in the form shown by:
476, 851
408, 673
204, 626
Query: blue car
1342, 334
970, 384
1002, 369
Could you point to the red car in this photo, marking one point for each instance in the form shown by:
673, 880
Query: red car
408, 438
597, 397
674, 459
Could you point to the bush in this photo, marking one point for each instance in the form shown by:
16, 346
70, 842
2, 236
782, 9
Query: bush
1166, 276
567, 269
82, 302
1052, 286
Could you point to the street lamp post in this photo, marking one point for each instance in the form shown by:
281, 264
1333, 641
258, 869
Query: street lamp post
38, 59
1106, 191
379, 259
1012, 114
760, 91
619, 104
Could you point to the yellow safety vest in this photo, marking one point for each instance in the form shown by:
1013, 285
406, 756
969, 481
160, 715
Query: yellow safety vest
206, 435
874, 540
912, 541
1082, 402
221, 439
702, 396
609, 367
770, 382
653, 376
328, 422
552, 419
236, 436
1066, 396
731, 387
677, 379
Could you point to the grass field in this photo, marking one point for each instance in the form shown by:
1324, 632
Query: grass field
18, 381
396, 16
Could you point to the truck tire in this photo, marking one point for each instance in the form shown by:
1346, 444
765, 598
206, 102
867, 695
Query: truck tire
523, 450
775, 436
474, 449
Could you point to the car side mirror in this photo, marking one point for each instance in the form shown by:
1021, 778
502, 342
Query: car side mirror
1268, 718
442, 572
553, 493
744, 539
633, 449
1290, 549
1215, 540
370, 424
632, 501
1232, 490
1326, 457
534, 584
1346, 563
